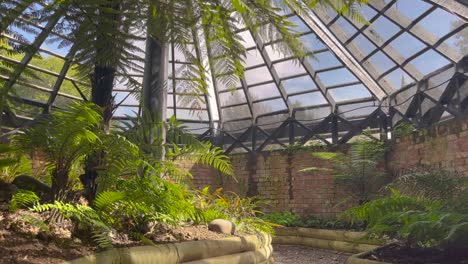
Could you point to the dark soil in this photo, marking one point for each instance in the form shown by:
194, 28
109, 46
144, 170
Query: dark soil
400, 254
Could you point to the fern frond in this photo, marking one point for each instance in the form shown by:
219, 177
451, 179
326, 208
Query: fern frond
23, 198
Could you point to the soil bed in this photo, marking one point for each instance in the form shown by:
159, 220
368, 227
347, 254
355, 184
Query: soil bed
22, 242
292, 254
399, 254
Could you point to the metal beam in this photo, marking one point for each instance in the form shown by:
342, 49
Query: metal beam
452, 6
30, 52
58, 83
274, 74
336, 47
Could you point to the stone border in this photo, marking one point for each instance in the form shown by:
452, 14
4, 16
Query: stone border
249, 249
338, 240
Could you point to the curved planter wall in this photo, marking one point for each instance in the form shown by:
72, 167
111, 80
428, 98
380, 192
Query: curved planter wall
247, 249
360, 259
338, 240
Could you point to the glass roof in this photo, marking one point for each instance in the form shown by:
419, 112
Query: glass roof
351, 65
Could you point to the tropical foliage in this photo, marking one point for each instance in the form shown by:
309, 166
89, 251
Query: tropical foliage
420, 215
244, 212
64, 138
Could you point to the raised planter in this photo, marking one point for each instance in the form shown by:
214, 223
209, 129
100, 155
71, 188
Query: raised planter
338, 240
247, 249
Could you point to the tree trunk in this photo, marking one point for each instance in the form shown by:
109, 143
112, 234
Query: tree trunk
59, 183
154, 89
101, 93
102, 84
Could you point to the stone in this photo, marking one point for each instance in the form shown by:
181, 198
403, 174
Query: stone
6, 191
222, 226
25, 182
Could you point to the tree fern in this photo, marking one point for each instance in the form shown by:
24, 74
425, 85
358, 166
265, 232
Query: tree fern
64, 138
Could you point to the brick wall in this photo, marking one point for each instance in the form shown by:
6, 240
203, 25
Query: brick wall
441, 146
276, 178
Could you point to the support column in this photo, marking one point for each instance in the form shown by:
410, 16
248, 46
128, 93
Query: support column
155, 88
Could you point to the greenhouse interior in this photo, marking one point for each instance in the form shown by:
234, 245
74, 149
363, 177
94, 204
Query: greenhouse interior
234, 131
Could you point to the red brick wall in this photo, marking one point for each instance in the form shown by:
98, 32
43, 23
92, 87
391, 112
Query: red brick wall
275, 177
441, 146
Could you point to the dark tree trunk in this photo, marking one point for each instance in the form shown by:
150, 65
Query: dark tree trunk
60, 177
101, 93
102, 84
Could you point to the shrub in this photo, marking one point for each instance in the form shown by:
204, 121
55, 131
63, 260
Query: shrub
428, 208
445, 186
414, 222
284, 218
242, 211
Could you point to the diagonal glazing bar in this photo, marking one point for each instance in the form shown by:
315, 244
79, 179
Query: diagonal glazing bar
327, 37
274, 74
454, 6
61, 77
416, 30
31, 51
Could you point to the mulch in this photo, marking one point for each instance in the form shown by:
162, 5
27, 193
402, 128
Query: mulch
291, 254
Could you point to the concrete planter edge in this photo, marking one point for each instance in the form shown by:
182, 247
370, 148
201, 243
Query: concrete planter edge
338, 240
246, 249
359, 258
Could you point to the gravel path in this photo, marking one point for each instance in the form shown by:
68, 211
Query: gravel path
289, 254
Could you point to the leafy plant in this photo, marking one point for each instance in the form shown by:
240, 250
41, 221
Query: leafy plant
284, 219
83, 218
12, 163
446, 186
403, 129
244, 212
63, 138
23, 198
416, 223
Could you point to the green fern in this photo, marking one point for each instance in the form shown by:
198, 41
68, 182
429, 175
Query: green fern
416, 223
80, 215
23, 198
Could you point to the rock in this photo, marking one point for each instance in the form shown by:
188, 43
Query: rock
6, 191
222, 226
29, 183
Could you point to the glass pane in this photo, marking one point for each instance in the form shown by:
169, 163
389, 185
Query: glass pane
264, 91
349, 93
323, 60
266, 107
257, 75
309, 99
288, 68
300, 84
335, 77
429, 61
